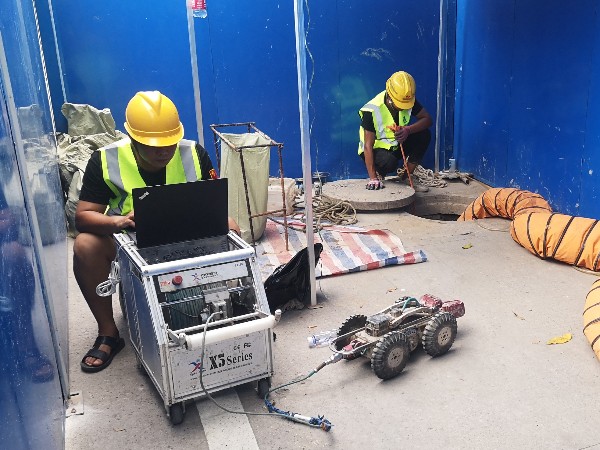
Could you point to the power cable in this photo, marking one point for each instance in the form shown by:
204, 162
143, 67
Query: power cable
317, 422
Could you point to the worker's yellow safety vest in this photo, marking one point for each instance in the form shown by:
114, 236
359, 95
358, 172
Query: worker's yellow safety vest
121, 174
382, 118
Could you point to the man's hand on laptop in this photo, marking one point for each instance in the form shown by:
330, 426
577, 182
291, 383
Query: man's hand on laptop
125, 222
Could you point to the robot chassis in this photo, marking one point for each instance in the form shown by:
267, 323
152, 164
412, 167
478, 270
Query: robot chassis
388, 337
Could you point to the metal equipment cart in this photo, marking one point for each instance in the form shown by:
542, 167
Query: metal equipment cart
168, 293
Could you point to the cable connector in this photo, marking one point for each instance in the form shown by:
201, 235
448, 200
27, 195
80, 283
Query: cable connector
317, 422
331, 360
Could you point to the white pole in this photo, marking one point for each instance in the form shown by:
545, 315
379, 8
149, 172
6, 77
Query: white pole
438, 116
195, 77
305, 143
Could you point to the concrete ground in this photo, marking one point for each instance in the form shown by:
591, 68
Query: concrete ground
499, 387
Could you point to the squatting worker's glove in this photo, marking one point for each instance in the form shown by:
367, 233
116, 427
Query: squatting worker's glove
374, 184
400, 134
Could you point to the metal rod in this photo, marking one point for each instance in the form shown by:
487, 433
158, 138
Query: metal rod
247, 198
220, 322
279, 147
217, 149
234, 124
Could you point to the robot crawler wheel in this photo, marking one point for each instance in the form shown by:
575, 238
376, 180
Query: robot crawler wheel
439, 333
263, 386
350, 324
413, 338
390, 355
176, 413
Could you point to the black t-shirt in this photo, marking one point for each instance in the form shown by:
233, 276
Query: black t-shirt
367, 118
95, 189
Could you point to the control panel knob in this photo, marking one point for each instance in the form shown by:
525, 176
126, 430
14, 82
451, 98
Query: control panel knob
177, 280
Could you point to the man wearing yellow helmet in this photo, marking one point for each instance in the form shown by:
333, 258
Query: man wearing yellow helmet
155, 153
386, 125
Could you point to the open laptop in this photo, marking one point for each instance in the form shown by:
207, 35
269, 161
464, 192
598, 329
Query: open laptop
174, 213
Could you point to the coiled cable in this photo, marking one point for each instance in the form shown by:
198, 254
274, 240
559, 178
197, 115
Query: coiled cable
108, 287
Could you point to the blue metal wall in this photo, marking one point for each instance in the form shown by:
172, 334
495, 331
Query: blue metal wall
33, 264
247, 67
527, 81
112, 49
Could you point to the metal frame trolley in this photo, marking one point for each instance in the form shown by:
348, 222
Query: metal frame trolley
169, 293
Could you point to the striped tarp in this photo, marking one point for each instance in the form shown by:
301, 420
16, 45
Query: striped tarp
345, 249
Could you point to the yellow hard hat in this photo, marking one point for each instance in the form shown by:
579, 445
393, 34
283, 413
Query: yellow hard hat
402, 89
152, 119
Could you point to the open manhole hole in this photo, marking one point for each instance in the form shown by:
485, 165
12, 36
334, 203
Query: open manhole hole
445, 206
441, 216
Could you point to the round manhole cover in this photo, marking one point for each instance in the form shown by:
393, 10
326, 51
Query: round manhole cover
394, 195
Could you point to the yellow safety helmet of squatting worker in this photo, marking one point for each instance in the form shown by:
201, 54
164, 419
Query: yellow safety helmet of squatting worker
402, 89
152, 119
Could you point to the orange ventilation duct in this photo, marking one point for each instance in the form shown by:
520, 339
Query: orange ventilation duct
573, 240
591, 318
504, 202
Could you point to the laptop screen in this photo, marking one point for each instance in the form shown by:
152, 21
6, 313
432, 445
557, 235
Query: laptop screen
180, 212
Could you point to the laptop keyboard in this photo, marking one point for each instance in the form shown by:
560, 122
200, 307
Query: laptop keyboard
184, 250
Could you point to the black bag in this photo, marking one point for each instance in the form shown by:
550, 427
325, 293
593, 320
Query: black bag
292, 280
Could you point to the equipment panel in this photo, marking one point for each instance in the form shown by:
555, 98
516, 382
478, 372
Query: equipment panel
201, 276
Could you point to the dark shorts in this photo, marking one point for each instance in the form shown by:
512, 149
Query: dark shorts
415, 146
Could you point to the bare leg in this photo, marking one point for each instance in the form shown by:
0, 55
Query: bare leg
92, 255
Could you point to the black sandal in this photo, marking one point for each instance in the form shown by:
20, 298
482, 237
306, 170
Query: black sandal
115, 344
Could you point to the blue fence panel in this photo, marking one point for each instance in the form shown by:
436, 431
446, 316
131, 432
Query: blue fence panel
590, 187
33, 259
247, 65
483, 62
524, 104
113, 49
31, 406
549, 96
252, 51
52, 60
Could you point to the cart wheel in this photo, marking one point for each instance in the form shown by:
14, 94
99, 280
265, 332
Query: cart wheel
390, 355
264, 384
176, 413
350, 324
439, 333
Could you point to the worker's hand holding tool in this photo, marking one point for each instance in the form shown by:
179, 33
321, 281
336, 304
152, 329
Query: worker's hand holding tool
374, 184
400, 133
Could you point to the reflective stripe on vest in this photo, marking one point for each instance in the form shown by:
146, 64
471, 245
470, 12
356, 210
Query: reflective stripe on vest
382, 118
121, 174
